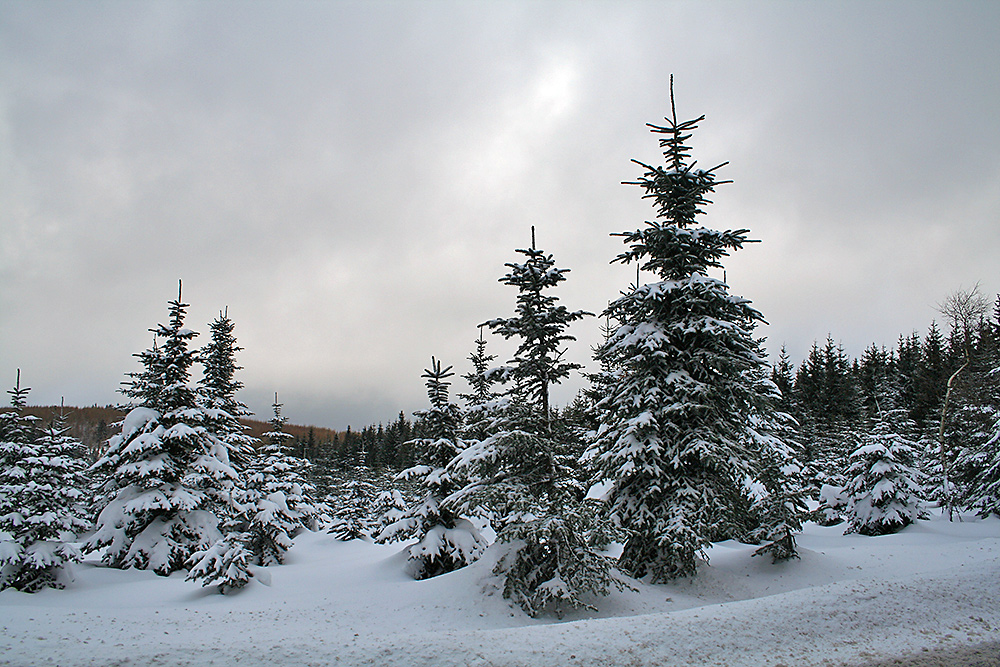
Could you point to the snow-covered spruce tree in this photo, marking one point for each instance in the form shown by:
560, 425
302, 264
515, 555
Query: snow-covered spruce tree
17, 435
279, 501
540, 325
351, 502
984, 492
218, 388
674, 439
42, 495
521, 475
481, 401
883, 491
228, 561
53, 511
781, 508
17, 442
446, 540
166, 470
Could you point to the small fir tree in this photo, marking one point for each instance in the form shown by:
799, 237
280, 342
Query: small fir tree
446, 540
229, 560
981, 462
228, 563
481, 402
540, 325
352, 502
279, 501
42, 491
883, 491
782, 508
17, 433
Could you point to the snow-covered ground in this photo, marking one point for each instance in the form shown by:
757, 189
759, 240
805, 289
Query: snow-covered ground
850, 599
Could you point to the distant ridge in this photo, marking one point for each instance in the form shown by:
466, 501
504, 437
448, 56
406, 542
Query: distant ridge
95, 424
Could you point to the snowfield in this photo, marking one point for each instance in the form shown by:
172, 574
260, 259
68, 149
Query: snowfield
849, 600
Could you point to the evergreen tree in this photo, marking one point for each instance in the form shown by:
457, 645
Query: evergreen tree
219, 386
523, 473
540, 326
279, 501
784, 380
446, 540
274, 506
931, 378
875, 380
166, 470
984, 490
17, 433
480, 380
909, 354
481, 402
828, 409
352, 502
883, 494
982, 462
228, 562
674, 440
42, 499
780, 507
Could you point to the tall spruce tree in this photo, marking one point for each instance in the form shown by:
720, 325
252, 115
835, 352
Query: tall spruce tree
229, 560
166, 470
674, 439
17, 433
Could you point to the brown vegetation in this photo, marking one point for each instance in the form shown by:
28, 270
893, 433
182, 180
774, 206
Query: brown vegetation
94, 425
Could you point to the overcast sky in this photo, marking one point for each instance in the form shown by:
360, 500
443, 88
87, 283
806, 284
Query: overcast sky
350, 178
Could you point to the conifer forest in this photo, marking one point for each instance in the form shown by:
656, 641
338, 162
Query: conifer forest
687, 435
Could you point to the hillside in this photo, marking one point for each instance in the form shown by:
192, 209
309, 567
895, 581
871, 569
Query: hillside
95, 424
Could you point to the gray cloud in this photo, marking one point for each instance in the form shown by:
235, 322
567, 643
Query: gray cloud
349, 178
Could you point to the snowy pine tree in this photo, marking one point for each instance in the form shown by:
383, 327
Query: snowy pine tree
166, 470
782, 508
218, 388
540, 326
984, 494
274, 504
42, 491
229, 560
17, 435
352, 502
674, 439
446, 540
883, 494
54, 504
481, 401
523, 473
279, 501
